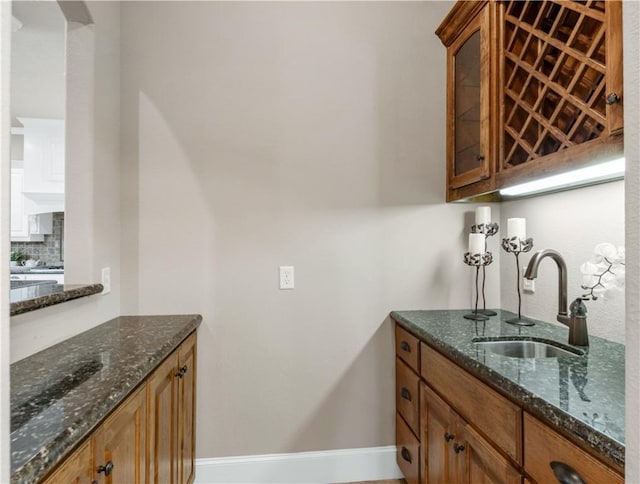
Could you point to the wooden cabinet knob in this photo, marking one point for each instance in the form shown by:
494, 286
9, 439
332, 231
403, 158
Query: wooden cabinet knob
612, 98
180, 373
107, 468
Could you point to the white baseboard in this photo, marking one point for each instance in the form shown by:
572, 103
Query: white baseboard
345, 465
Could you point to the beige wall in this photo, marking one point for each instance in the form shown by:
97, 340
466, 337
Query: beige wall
632, 184
571, 222
92, 212
264, 134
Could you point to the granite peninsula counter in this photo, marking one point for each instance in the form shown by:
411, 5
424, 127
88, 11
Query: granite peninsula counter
582, 397
59, 395
32, 295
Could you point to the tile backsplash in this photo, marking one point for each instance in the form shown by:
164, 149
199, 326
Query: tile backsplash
51, 251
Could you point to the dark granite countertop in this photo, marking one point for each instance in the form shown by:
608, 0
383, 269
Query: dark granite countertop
59, 395
583, 397
38, 295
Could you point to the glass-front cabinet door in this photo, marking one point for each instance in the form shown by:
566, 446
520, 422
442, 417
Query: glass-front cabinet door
468, 97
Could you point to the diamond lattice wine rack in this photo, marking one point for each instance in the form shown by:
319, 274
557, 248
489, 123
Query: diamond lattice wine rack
558, 92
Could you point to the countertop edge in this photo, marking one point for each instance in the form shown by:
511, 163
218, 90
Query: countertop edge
21, 307
606, 448
42, 463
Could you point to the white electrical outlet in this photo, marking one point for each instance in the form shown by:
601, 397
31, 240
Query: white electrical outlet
286, 277
529, 285
106, 280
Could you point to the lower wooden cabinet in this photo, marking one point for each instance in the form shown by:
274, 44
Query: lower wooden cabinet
478, 462
149, 438
454, 451
120, 443
471, 434
549, 457
171, 396
162, 394
408, 451
76, 469
115, 453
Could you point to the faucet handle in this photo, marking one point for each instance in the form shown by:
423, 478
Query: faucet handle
578, 308
578, 333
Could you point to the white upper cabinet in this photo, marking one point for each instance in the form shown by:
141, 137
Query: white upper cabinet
44, 161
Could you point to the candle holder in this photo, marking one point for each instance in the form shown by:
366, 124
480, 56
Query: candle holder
516, 246
477, 261
488, 230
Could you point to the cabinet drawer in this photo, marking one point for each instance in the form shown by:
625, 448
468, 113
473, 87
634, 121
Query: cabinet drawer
492, 414
408, 348
543, 446
407, 452
407, 395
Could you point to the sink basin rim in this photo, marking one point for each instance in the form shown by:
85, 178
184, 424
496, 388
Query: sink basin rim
527, 347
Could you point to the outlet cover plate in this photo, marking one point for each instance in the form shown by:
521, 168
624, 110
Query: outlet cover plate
287, 277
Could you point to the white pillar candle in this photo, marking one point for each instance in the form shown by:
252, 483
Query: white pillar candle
517, 227
483, 215
476, 244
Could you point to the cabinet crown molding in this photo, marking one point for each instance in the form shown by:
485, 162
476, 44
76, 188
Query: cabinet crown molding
457, 19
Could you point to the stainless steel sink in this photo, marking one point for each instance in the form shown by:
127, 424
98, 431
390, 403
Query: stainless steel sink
533, 348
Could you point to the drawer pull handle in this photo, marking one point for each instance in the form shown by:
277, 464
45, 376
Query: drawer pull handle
479, 157
566, 474
406, 394
107, 468
406, 455
448, 437
458, 448
405, 347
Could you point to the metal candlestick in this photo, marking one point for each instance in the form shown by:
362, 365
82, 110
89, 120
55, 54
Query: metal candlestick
477, 261
488, 230
515, 246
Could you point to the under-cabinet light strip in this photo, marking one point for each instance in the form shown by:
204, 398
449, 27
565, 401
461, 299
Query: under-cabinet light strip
609, 170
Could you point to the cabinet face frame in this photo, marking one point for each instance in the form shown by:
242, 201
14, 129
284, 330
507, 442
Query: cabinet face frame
162, 401
481, 23
187, 354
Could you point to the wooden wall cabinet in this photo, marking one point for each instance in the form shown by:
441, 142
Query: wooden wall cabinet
470, 149
549, 96
148, 438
